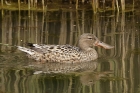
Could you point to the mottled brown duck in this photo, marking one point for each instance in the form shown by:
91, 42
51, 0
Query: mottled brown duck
84, 52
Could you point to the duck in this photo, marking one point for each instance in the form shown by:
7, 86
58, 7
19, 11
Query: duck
84, 52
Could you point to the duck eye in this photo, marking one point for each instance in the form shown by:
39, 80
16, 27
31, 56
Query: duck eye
90, 38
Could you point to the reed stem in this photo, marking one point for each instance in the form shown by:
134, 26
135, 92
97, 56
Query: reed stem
1, 3
123, 5
19, 4
117, 5
29, 5
76, 4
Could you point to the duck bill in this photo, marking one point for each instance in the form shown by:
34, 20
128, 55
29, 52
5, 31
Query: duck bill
104, 45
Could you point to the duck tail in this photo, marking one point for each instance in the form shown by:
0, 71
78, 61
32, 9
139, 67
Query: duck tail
26, 50
30, 44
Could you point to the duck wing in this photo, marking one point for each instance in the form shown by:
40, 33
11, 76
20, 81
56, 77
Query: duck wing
42, 48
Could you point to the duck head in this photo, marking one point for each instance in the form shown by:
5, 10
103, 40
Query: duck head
87, 41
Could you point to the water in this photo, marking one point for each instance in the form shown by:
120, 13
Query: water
116, 70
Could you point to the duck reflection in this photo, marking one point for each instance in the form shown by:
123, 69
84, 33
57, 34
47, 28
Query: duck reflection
59, 68
85, 70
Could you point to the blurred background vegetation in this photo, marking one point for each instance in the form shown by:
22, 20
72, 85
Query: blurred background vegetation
54, 5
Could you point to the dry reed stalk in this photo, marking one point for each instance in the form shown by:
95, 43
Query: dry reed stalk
76, 4
83, 21
29, 4
117, 5
103, 5
63, 29
93, 7
19, 4
97, 5
42, 28
113, 4
94, 4
133, 5
71, 27
18, 28
2, 3
123, 4
77, 23
43, 4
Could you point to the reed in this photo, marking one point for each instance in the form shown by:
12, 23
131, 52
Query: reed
123, 5
29, 5
117, 5
76, 4
94, 4
72, 27
1, 3
51, 6
43, 5
133, 5
113, 4
19, 4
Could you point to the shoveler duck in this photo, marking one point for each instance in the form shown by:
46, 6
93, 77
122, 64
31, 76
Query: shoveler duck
66, 53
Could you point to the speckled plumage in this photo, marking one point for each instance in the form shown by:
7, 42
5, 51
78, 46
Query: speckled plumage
65, 53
